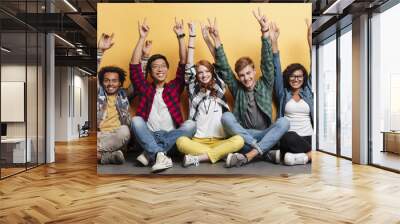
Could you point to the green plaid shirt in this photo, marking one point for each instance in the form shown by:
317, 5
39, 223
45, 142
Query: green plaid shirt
263, 88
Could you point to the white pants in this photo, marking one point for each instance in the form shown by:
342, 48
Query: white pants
114, 140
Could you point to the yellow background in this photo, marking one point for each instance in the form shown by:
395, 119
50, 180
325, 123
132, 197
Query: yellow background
239, 30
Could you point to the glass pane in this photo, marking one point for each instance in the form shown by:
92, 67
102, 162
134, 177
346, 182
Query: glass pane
32, 96
41, 98
32, 84
346, 94
13, 86
385, 84
327, 97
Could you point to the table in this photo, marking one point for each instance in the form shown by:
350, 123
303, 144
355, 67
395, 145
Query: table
391, 141
13, 150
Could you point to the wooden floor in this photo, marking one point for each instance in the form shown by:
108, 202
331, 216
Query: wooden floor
70, 191
386, 159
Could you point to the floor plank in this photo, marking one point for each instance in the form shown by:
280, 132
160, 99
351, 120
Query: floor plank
70, 191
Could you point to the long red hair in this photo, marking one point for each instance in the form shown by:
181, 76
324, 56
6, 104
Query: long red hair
211, 83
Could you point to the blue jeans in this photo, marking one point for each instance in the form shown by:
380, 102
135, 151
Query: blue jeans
262, 140
159, 141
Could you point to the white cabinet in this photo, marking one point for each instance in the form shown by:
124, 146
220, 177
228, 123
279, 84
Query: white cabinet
15, 148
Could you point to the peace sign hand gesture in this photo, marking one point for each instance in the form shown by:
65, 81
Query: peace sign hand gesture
143, 29
263, 21
178, 27
105, 42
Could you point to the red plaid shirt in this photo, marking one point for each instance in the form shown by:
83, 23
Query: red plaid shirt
171, 94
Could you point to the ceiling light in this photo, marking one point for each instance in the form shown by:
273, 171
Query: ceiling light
70, 5
65, 41
5, 50
338, 6
84, 71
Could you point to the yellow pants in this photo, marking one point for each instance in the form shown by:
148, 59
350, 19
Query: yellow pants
215, 148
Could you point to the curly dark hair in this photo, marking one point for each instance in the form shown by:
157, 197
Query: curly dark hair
106, 69
289, 71
152, 59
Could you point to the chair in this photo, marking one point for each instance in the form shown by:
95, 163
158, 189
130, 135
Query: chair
84, 130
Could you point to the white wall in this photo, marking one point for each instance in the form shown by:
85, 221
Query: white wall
61, 103
12, 73
33, 127
71, 102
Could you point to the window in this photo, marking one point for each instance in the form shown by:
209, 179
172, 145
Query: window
346, 93
385, 88
327, 96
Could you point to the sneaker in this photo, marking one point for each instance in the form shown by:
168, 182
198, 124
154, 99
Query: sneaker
295, 159
106, 158
116, 157
273, 156
235, 159
189, 160
162, 162
143, 159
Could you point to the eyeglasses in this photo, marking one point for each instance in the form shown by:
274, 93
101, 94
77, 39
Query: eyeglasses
113, 81
162, 66
298, 77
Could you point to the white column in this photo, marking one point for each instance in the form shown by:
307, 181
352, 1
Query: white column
360, 90
50, 99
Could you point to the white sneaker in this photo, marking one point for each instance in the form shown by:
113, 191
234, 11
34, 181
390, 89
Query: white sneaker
142, 159
274, 156
295, 159
189, 160
162, 162
235, 159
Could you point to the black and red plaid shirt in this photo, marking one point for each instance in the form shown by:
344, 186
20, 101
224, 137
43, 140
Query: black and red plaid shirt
171, 94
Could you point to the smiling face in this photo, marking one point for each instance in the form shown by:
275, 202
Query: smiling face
296, 79
247, 76
159, 70
204, 76
111, 83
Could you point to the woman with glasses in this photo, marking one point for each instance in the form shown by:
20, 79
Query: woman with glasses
295, 99
207, 104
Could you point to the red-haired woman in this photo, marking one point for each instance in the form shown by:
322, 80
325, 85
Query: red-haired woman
207, 104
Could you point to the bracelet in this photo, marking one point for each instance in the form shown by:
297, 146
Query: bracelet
192, 35
264, 31
191, 47
182, 35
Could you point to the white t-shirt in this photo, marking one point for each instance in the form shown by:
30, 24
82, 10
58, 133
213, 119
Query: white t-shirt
298, 114
160, 118
208, 119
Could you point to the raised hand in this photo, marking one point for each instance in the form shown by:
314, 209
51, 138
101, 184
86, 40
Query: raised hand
213, 30
263, 21
147, 48
273, 32
273, 36
192, 29
309, 32
178, 28
206, 36
204, 31
105, 42
143, 29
